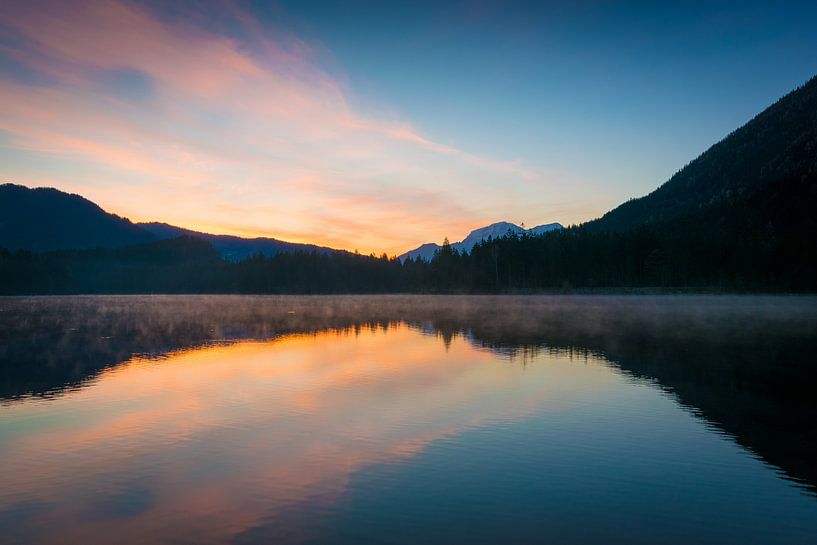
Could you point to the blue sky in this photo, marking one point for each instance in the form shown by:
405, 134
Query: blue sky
381, 125
626, 90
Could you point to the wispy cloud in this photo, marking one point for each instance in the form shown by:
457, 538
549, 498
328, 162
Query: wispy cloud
241, 131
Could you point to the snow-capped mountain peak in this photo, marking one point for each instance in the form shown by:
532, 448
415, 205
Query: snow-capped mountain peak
495, 230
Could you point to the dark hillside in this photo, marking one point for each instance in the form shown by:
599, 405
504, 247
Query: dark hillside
46, 219
774, 154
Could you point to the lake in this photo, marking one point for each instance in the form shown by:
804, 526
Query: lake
408, 419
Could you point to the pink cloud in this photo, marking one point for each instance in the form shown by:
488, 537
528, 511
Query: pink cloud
247, 135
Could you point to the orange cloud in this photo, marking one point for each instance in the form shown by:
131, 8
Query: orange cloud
171, 121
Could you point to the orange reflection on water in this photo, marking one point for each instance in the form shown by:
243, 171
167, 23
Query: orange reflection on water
208, 443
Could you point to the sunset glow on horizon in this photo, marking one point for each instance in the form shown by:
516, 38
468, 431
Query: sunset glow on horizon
231, 121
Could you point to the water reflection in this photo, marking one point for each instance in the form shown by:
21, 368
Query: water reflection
346, 419
228, 436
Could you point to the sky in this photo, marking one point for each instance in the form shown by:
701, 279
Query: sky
378, 126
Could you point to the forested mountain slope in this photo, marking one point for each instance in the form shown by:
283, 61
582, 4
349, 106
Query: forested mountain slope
45, 219
773, 156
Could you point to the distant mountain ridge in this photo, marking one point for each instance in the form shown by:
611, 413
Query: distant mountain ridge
495, 230
232, 247
46, 219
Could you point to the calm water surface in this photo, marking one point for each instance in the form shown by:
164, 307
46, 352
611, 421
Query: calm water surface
407, 420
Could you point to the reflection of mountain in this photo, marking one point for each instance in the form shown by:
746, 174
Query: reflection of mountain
295, 417
745, 364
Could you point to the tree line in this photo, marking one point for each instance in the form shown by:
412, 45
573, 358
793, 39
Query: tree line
728, 248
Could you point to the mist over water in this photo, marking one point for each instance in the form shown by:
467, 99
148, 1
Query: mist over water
405, 419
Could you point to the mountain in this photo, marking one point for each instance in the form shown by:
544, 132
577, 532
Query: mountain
495, 230
231, 247
498, 230
761, 165
45, 219
424, 251
742, 217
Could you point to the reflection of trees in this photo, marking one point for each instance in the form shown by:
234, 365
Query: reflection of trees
745, 364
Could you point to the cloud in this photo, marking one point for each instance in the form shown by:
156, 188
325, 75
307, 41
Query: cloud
242, 131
